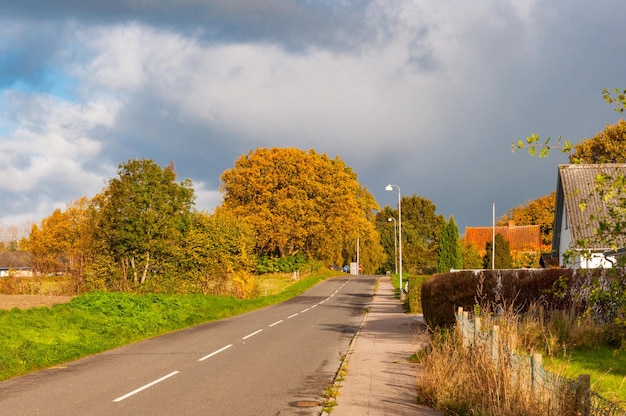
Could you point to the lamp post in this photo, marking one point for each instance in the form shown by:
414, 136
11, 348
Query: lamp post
390, 188
395, 241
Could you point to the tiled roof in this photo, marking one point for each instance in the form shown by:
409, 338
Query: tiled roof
577, 184
520, 237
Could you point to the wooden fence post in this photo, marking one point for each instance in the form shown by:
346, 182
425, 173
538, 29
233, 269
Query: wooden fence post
495, 344
477, 328
466, 329
536, 365
583, 395
461, 324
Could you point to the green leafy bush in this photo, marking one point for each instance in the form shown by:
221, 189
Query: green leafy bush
266, 264
415, 293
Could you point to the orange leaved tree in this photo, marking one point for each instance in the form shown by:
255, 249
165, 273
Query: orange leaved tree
303, 202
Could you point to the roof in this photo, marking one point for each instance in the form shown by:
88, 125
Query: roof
15, 259
520, 237
580, 194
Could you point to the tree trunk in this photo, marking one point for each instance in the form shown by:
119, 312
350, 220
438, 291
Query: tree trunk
124, 268
132, 265
145, 269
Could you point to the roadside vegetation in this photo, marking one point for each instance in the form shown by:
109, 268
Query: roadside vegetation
39, 338
463, 380
283, 210
585, 335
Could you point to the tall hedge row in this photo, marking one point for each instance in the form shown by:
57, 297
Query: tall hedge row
444, 293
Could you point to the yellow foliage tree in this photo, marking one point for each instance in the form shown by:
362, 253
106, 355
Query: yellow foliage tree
64, 241
218, 255
607, 146
303, 202
48, 243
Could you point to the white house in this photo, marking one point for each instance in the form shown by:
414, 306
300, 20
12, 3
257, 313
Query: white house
582, 202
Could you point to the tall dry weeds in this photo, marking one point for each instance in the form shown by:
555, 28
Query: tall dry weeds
483, 378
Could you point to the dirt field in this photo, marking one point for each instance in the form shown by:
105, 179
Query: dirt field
30, 301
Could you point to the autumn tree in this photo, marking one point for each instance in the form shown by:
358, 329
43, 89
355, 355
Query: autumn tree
537, 212
218, 255
65, 241
49, 243
143, 216
303, 202
607, 146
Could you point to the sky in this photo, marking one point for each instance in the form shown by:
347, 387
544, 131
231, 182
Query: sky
424, 94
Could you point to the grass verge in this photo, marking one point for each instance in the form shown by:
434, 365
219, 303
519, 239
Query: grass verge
605, 365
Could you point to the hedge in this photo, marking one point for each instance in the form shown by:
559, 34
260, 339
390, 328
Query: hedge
443, 293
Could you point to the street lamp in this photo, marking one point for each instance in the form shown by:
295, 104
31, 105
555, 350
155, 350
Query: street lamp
390, 188
395, 241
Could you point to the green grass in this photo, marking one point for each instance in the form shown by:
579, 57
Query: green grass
38, 338
605, 365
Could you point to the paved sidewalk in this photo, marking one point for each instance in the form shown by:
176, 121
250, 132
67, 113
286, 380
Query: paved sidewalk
380, 379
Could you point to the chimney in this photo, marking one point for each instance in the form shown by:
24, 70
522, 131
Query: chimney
511, 223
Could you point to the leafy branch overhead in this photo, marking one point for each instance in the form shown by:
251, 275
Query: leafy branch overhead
605, 147
619, 98
534, 145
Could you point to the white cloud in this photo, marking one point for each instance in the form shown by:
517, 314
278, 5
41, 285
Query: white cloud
206, 199
266, 93
427, 57
52, 147
120, 60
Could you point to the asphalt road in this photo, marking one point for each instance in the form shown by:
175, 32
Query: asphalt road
274, 361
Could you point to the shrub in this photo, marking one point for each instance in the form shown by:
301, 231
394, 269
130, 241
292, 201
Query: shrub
415, 293
266, 264
444, 293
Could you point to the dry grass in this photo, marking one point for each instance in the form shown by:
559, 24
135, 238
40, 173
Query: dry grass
483, 379
274, 283
37, 285
30, 301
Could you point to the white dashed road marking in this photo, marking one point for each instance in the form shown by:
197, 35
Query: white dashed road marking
119, 399
252, 334
215, 352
